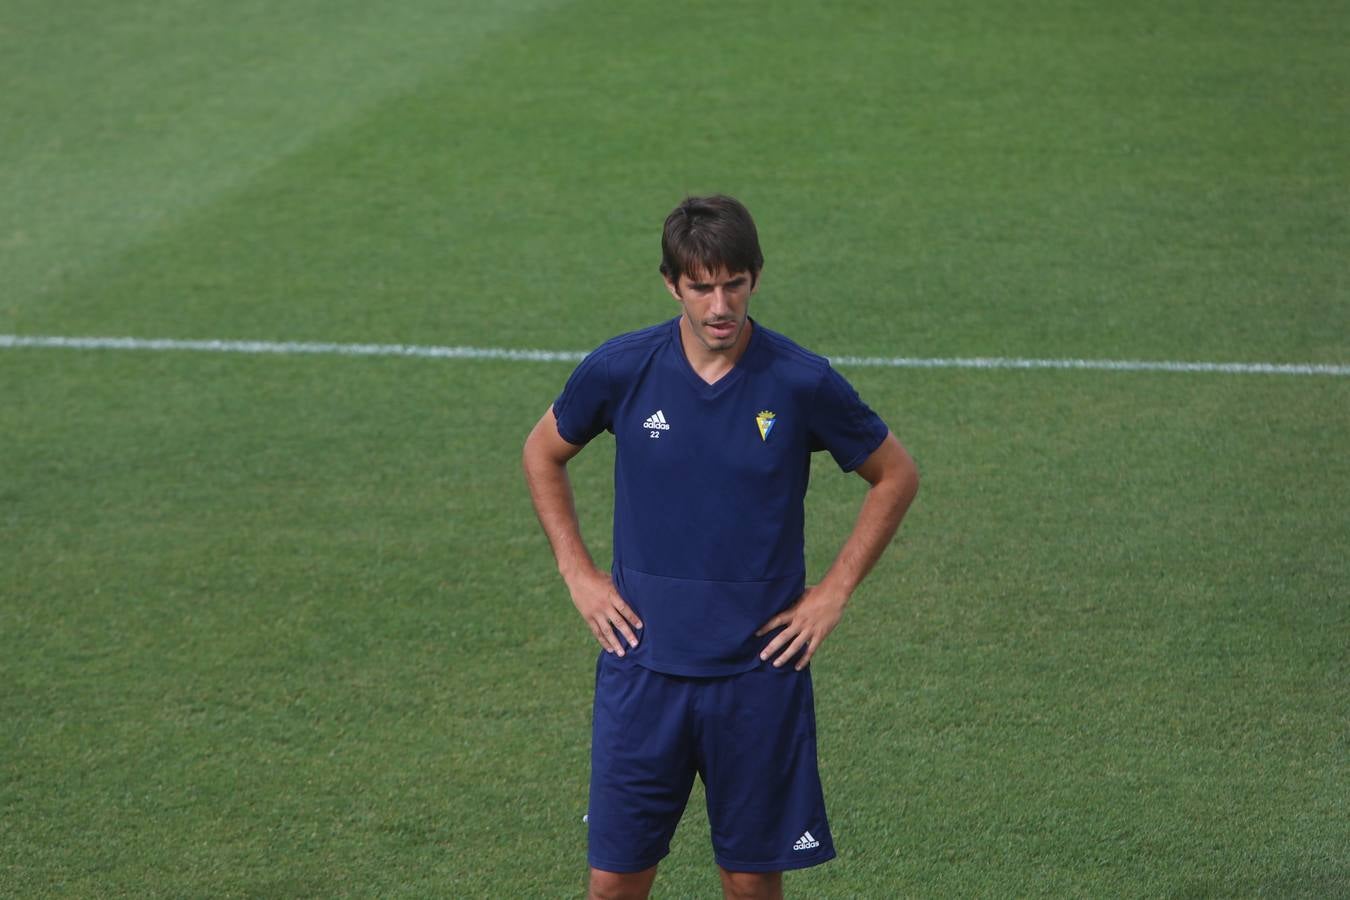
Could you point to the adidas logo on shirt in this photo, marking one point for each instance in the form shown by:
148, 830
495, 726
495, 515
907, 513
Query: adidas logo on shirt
806, 842
656, 422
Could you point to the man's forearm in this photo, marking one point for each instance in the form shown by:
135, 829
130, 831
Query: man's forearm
887, 500
551, 491
894, 480
612, 622
878, 520
544, 459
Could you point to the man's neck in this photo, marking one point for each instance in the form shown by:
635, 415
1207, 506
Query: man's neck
712, 365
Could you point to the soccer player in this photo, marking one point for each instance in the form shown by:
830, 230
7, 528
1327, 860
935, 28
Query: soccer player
705, 620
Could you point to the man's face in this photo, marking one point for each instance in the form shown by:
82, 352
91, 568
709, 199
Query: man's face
716, 306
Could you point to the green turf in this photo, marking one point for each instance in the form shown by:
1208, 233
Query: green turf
286, 627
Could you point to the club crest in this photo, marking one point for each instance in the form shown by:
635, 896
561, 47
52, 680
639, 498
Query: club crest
764, 419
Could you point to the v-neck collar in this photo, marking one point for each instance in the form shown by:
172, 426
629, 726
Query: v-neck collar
704, 389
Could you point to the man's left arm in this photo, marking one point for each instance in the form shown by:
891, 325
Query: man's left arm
894, 481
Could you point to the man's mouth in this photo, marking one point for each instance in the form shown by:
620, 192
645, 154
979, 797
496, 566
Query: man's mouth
721, 329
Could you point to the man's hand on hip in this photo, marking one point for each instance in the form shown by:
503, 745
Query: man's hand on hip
805, 625
611, 620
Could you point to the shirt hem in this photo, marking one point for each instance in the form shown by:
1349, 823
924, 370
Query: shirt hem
767, 579
719, 671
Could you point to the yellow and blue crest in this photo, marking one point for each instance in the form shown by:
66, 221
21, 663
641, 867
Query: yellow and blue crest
765, 420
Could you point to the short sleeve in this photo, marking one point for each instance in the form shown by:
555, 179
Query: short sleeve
843, 424
585, 408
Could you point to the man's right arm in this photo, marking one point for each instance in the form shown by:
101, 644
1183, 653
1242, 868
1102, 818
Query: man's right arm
545, 460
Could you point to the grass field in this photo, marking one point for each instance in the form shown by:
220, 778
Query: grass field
284, 626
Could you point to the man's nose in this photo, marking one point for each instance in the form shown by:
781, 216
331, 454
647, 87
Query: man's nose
719, 301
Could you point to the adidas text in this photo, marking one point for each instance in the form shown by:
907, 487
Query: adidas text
806, 842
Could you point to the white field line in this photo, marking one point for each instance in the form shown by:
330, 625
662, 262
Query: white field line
286, 348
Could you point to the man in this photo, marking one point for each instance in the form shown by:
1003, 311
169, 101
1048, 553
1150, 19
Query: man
705, 619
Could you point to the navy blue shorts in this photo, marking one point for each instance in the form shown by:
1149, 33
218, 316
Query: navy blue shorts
750, 737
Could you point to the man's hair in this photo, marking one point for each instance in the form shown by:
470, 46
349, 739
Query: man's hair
705, 234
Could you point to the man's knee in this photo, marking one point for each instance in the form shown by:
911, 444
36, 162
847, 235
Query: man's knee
752, 885
621, 885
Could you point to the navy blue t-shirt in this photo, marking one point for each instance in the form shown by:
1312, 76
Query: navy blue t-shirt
709, 484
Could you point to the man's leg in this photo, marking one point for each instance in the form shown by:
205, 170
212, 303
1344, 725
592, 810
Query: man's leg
642, 769
621, 885
751, 885
758, 761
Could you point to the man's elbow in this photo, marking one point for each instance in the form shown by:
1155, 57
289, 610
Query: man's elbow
545, 449
907, 478
900, 477
891, 470
911, 469
534, 452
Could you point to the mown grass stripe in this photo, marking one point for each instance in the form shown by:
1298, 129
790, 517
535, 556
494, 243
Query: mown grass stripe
9, 341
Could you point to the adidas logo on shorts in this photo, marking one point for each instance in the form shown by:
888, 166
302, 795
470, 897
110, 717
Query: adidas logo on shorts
806, 842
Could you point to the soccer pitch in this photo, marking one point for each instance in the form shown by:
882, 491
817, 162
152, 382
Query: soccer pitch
281, 624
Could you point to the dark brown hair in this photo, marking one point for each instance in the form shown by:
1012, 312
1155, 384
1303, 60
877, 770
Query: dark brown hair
705, 234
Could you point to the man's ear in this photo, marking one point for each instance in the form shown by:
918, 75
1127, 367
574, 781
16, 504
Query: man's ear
674, 291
